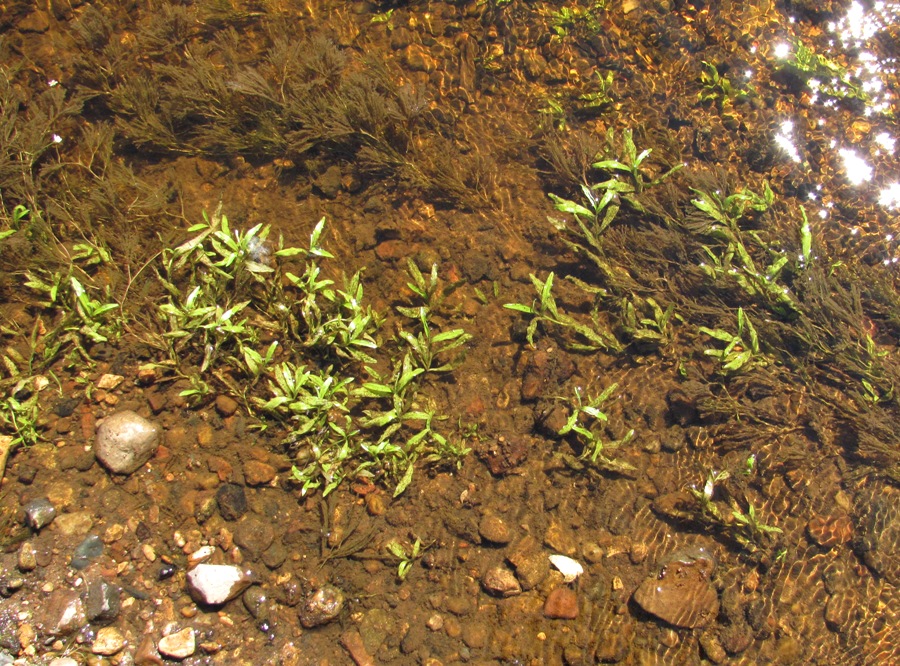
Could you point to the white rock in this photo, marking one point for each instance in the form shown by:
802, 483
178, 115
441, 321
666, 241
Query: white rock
179, 645
569, 568
214, 584
125, 441
108, 641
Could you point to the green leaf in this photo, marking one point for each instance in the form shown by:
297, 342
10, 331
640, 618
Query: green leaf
405, 481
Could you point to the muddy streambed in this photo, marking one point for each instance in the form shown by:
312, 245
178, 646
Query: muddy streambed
456, 332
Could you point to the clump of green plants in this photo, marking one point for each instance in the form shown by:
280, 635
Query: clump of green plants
822, 74
732, 258
719, 90
583, 423
646, 323
405, 555
741, 351
739, 522
545, 312
263, 321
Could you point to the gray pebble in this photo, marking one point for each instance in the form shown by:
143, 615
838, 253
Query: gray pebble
39, 513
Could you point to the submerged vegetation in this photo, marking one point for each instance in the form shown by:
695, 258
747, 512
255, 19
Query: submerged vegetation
599, 201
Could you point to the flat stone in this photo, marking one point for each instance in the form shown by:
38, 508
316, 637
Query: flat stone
258, 473
79, 522
494, 529
63, 613
179, 645
86, 552
125, 441
214, 584
561, 604
108, 641
680, 592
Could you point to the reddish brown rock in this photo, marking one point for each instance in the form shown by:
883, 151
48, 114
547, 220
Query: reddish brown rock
561, 604
830, 531
680, 592
258, 473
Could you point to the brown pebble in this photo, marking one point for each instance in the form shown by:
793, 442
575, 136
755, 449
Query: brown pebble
561, 604
353, 643
376, 504
258, 473
226, 405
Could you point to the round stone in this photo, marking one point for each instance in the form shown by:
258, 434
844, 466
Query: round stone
125, 441
179, 645
322, 606
108, 641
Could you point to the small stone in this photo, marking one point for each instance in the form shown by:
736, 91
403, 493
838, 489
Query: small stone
254, 535
102, 601
561, 604
125, 441
232, 501
39, 513
146, 374
58, 661
494, 530
146, 654
63, 613
530, 562
712, 648
27, 560
214, 584
78, 522
322, 606
330, 183
255, 601
501, 582
435, 622
226, 405
87, 551
109, 381
179, 645
258, 473
108, 641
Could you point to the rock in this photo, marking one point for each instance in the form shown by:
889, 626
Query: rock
79, 522
680, 592
214, 584
830, 531
102, 601
254, 535
109, 381
226, 405
125, 441
108, 641
329, 184
501, 582
562, 604
322, 606
258, 473
530, 562
39, 513
353, 644
712, 648
494, 530
37, 21
87, 551
146, 654
27, 560
179, 645
256, 602
232, 501
59, 661
63, 613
